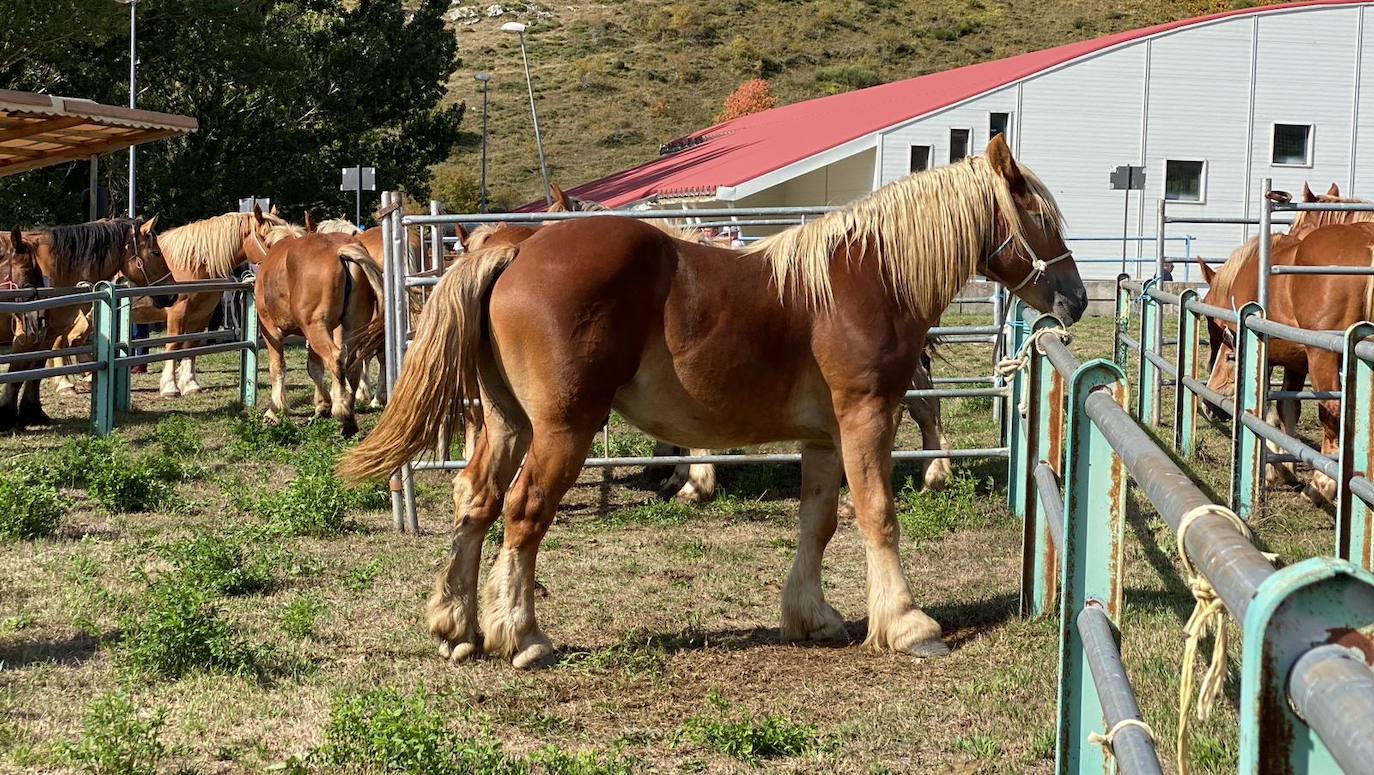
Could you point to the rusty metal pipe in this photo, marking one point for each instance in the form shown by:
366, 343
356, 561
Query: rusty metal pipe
1332, 689
1133, 749
1051, 502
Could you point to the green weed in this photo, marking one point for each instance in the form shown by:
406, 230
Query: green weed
554, 761
180, 631
316, 502
746, 737
117, 738
76, 459
385, 730
651, 514
298, 620
123, 485
925, 516
28, 508
362, 576
218, 566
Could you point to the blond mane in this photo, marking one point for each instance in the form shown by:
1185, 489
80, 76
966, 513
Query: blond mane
214, 245
1238, 260
928, 231
283, 231
337, 226
1305, 221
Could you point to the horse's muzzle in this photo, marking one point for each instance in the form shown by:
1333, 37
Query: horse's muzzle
164, 301
1070, 306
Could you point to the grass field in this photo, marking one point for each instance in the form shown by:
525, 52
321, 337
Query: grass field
213, 601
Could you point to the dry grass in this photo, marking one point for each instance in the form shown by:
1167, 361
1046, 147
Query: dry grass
654, 608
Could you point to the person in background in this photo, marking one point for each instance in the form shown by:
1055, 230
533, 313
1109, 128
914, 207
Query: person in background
1167, 276
736, 239
141, 331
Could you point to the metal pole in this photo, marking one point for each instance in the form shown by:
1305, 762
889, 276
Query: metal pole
91, 209
538, 139
1266, 216
1126, 216
999, 319
358, 203
436, 242
133, 100
482, 199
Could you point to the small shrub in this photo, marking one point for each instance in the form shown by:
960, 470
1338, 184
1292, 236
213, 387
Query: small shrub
76, 459
122, 485
752, 96
177, 436
28, 508
747, 738
555, 761
385, 730
838, 78
361, 577
925, 516
116, 738
316, 502
179, 632
218, 566
298, 620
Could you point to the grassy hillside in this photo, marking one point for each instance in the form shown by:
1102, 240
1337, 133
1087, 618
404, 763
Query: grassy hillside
615, 79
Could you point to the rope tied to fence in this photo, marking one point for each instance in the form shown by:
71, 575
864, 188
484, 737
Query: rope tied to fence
1209, 612
1007, 367
1108, 740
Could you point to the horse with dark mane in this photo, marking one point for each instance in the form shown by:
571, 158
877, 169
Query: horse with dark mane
813, 336
68, 255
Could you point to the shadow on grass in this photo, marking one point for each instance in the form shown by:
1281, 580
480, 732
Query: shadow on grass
66, 652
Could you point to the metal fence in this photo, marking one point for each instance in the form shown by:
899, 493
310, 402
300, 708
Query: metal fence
398, 229
113, 351
1307, 688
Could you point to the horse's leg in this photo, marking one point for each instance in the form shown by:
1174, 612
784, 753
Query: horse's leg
1325, 368
701, 481
176, 324
867, 425
805, 614
31, 402
554, 460
328, 343
366, 392
1284, 415
314, 366
478, 496
200, 308
926, 412
276, 366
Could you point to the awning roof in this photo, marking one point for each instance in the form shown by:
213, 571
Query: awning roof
38, 130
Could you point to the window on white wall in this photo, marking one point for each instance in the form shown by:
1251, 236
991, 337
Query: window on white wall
920, 158
999, 124
1292, 145
1185, 180
958, 144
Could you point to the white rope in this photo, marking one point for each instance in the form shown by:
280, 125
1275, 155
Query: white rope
1009, 366
1108, 740
1208, 613
1038, 267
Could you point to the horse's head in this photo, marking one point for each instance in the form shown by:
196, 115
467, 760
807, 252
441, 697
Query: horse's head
22, 268
254, 233
1221, 344
1033, 261
144, 263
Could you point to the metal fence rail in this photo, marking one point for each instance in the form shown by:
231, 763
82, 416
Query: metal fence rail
113, 349
1079, 431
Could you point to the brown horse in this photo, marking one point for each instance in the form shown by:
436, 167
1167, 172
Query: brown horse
325, 287
85, 253
811, 336
19, 272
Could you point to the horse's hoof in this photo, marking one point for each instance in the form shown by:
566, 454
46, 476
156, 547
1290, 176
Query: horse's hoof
191, 389
322, 412
66, 390
459, 652
270, 418
348, 428
828, 627
33, 415
534, 656
169, 391
689, 494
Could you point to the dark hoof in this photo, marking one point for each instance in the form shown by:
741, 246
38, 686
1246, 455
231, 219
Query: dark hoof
33, 415
348, 428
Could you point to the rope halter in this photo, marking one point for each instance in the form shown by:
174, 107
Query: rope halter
1038, 265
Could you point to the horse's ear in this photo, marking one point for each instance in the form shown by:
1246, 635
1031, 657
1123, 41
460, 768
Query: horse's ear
561, 199
273, 211
309, 222
257, 213
1307, 195
461, 234
1334, 192
999, 156
1207, 273
17, 241
149, 225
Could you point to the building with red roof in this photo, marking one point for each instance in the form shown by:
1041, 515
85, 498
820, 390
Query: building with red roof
1209, 107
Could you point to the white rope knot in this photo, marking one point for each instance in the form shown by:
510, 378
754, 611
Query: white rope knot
1209, 612
1108, 740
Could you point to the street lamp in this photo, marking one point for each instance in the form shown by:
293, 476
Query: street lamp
485, 80
519, 29
133, 92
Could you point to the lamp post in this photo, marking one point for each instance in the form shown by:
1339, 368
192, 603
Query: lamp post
133, 95
485, 80
519, 29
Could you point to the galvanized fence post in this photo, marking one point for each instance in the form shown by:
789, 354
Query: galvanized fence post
103, 378
1354, 518
248, 357
1045, 432
1252, 388
1094, 521
999, 319
1015, 438
1186, 362
1147, 387
1316, 602
1123, 321
124, 326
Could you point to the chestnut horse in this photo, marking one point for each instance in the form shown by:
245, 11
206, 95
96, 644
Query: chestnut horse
813, 336
325, 287
68, 255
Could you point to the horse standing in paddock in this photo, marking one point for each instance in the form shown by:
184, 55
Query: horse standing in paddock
84, 253
20, 272
813, 335
327, 288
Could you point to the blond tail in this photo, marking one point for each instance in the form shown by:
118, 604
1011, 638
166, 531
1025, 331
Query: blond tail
440, 370
369, 341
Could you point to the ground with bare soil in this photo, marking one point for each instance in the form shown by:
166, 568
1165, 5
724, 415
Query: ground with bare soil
666, 616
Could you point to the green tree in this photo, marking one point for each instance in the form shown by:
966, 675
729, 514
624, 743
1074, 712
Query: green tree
286, 93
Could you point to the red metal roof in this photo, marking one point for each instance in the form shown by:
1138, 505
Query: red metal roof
736, 151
